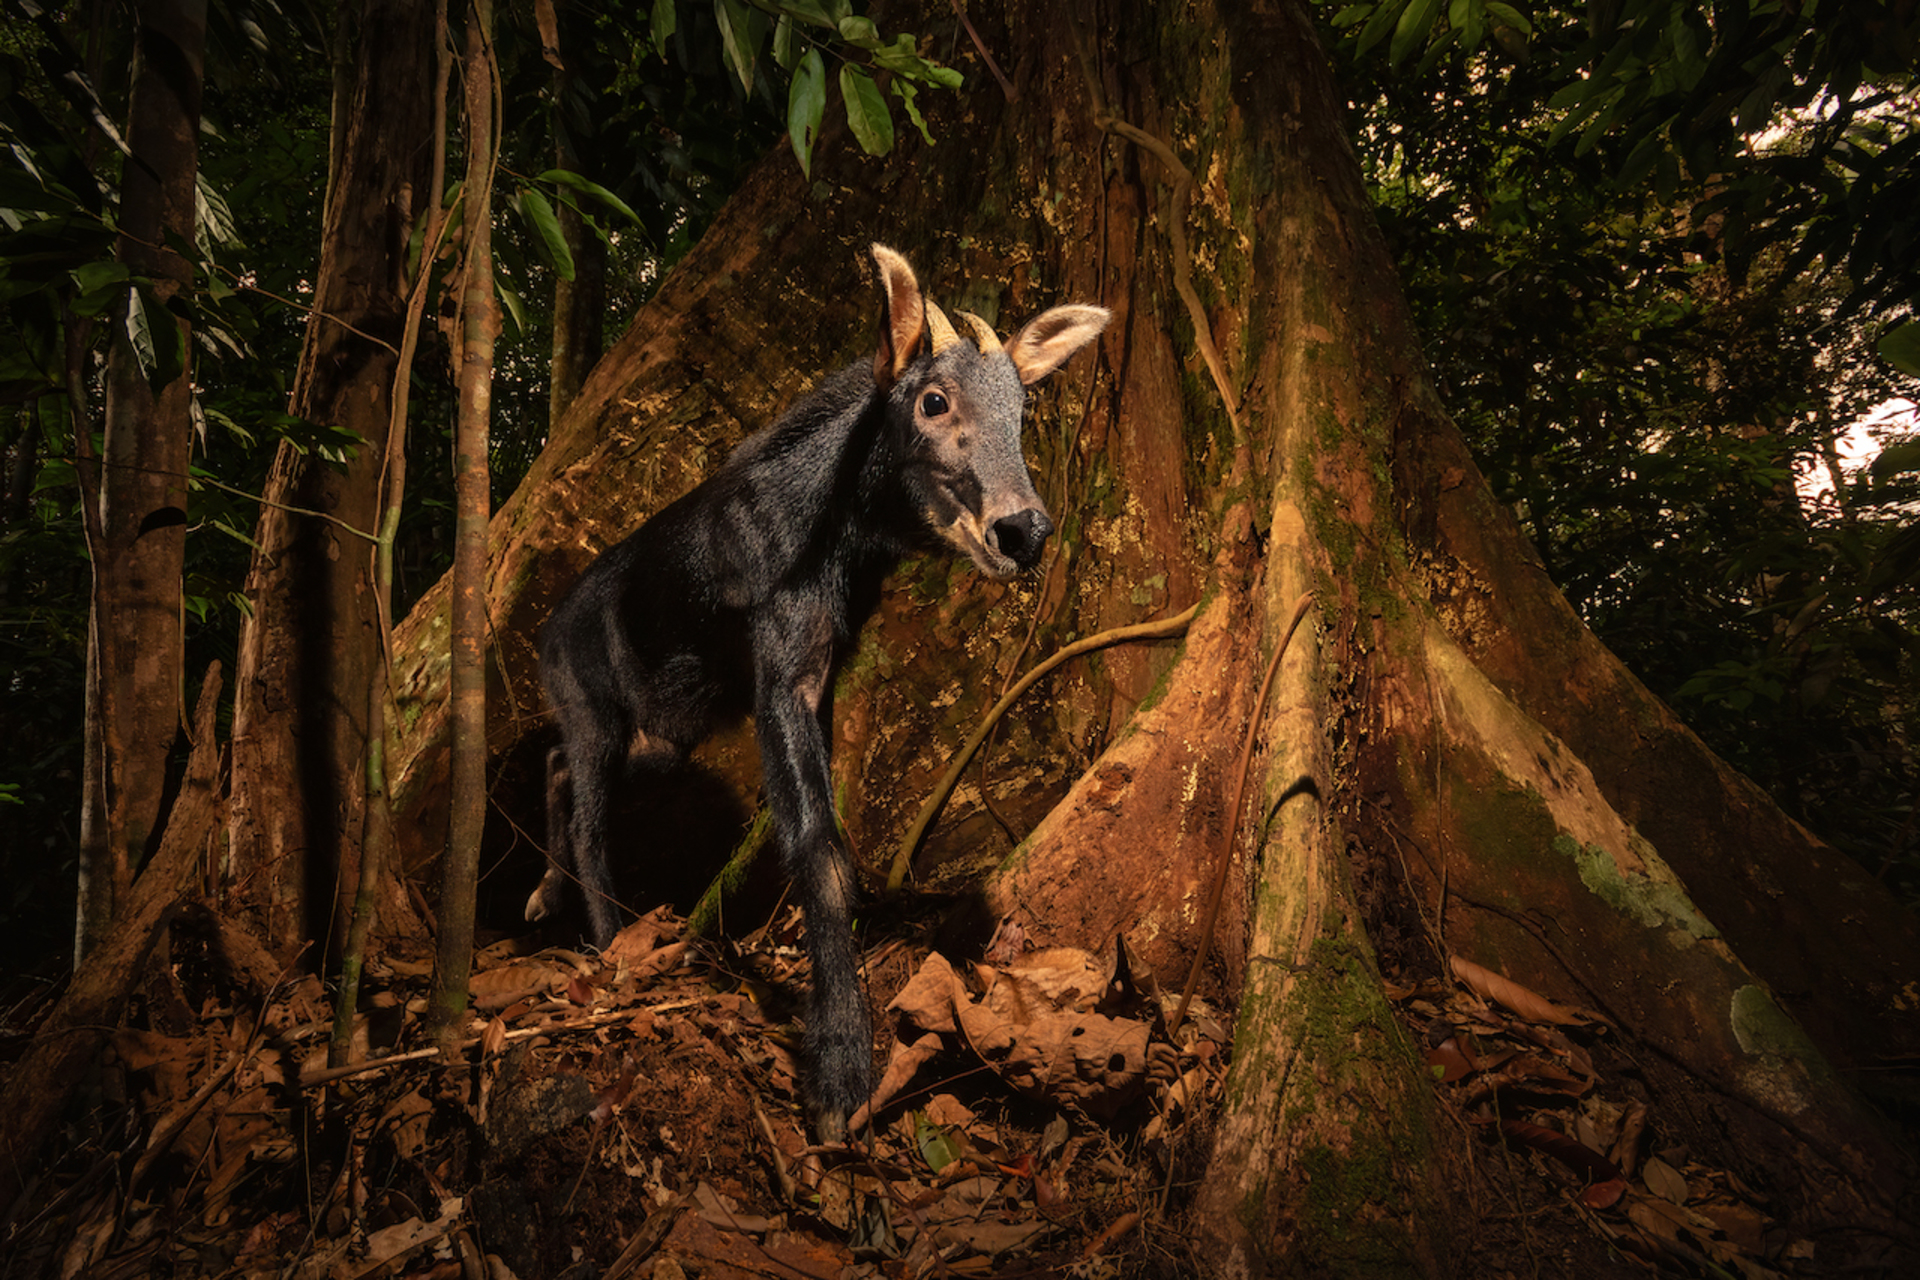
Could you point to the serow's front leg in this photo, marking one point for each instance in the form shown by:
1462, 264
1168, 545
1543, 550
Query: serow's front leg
794, 660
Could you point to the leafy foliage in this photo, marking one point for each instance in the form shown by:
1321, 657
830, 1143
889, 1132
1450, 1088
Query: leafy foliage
62, 291
1658, 349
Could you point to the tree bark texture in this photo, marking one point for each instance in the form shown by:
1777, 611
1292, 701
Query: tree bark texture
479, 330
134, 647
311, 646
1451, 764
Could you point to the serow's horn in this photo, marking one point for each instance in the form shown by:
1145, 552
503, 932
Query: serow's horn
983, 334
940, 329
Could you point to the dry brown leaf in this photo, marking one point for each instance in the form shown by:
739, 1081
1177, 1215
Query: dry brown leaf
1665, 1181
904, 1064
405, 1120
1067, 977
929, 998
949, 1112
1098, 1062
1181, 1096
498, 987
643, 937
705, 1250
1744, 1226
1601, 1190
390, 1244
660, 960
1449, 1060
1026, 1028
724, 1212
494, 1038
1503, 990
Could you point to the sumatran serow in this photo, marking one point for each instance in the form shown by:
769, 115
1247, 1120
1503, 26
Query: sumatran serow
745, 595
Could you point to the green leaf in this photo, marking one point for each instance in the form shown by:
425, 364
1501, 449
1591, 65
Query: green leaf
94, 276
1572, 95
1645, 154
859, 31
158, 344
1508, 16
937, 1147
807, 11
903, 89
538, 212
514, 306
213, 223
590, 189
662, 25
866, 111
806, 106
1378, 25
1896, 458
736, 38
900, 56
783, 42
1901, 348
1412, 30
1473, 26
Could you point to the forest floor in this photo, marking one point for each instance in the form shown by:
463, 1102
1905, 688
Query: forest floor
637, 1114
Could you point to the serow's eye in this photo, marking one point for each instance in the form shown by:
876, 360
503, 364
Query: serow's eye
933, 404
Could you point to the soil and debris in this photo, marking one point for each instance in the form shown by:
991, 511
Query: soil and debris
630, 1114
637, 1114
1524, 1071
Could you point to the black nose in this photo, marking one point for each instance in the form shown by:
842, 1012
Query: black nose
1022, 535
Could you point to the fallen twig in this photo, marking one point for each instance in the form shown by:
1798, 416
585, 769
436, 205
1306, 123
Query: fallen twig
584, 1022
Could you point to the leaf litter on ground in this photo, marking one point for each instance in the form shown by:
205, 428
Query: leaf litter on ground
1520, 1067
636, 1112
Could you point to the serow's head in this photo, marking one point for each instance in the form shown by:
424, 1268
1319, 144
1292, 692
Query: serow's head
959, 401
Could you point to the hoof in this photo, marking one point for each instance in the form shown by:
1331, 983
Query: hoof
543, 901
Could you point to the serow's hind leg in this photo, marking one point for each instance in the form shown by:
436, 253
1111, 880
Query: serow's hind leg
595, 765
549, 896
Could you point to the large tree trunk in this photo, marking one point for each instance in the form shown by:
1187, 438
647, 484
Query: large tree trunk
134, 638
1453, 765
311, 645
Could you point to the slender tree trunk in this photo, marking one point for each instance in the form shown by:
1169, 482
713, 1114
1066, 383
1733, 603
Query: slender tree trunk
311, 646
1451, 765
579, 310
134, 651
579, 304
479, 328
376, 831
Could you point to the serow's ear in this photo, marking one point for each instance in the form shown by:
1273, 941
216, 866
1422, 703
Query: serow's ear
902, 321
1052, 336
